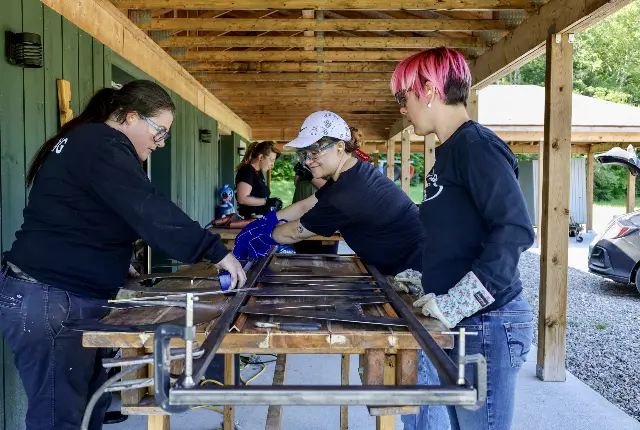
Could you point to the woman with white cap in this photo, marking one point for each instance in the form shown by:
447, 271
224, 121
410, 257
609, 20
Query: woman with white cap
377, 219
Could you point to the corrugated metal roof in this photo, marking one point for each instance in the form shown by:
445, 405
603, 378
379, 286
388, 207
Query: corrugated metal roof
524, 105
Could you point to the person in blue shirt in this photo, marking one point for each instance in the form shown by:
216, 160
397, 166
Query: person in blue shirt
90, 200
476, 226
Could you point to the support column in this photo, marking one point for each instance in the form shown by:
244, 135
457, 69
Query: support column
391, 154
552, 321
429, 154
631, 192
590, 173
472, 105
540, 202
406, 162
376, 159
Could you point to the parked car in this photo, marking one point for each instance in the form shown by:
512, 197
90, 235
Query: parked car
615, 253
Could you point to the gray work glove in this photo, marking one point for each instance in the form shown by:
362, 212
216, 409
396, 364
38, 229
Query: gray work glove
408, 281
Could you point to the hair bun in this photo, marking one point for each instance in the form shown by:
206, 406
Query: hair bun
356, 137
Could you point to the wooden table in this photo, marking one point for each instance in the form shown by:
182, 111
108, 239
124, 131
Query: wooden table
388, 355
228, 236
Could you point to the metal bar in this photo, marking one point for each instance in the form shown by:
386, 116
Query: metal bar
304, 280
222, 326
131, 384
321, 315
328, 286
447, 369
327, 303
329, 395
313, 275
285, 292
190, 335
322, 257
109, 363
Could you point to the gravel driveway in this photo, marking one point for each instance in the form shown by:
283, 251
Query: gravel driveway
603, 317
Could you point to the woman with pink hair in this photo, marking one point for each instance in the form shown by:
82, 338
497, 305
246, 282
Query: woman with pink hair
476, 225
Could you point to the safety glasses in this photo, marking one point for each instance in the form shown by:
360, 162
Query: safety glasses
401, 97
313, 154
162, 133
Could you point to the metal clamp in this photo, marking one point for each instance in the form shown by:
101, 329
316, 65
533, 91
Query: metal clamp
480, 369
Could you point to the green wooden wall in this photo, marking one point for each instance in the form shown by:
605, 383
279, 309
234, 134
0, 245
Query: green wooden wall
186, 170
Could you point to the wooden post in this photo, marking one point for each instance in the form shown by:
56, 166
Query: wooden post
472, 105
590, 173
133, 397
429, 154
391, 146
376, 159
388, 422
229, 379
158, 422
406, 161
631, 192
540, 202
344, 410
274, 414
64, 98
269, 178
552, 320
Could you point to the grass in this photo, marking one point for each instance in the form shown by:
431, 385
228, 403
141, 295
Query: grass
284, 190
601, 326
620, 202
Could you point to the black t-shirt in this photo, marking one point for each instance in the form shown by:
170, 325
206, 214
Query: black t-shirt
376, 218
474, 215
259, 189
90, 201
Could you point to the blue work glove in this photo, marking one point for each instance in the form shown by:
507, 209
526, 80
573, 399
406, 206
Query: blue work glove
254, 241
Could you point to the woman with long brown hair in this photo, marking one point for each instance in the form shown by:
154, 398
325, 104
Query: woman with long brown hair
90, 200
252, 191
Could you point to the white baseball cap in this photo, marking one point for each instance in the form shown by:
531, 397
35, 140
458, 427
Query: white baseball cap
318, 125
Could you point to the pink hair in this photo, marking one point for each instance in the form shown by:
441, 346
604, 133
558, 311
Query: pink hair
445, 68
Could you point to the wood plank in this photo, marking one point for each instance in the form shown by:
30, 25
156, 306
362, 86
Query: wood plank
190, 141
98, 64
52, 40
133, 397
379, 67
159, 422
527, 41
555, 194
282, 86
274, 414
590, 175
326, 42
326, 4
391, 155
70, 68
472, 105
85, 69
108, 70
631, 192
295, 55
398, 127
388, 422
34, 81
229, 379
405, 178
373, 365
103, 21
286, 24
294, 77
345, 365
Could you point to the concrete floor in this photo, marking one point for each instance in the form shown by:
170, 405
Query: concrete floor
569, 405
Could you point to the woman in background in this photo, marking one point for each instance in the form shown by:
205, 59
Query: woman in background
252, 192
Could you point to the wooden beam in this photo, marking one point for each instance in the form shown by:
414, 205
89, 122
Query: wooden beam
279, 86
344, 372
579, 134
229, 379
286, 134
429, 154
274, 414
388, 422
391, 154
555, 193
298, 77
631, 192
336, 93
64, 98
527, 41
590, 174
326, 42
295, 55
398, 127
326, 4
104, 22
540, 186
358, 67
275, 24
406, 162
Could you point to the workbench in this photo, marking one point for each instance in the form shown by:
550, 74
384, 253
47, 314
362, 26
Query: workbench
388, 355
228, 236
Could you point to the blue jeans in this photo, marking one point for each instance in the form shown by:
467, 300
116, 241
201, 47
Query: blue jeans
59, 375
504, 338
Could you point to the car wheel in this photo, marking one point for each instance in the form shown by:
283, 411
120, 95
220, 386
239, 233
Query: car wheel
579, 239
638, 280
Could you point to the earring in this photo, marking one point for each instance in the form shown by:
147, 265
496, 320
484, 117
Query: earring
429, 105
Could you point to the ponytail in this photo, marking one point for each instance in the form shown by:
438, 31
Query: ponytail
256, 149
144, 97
355, 142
